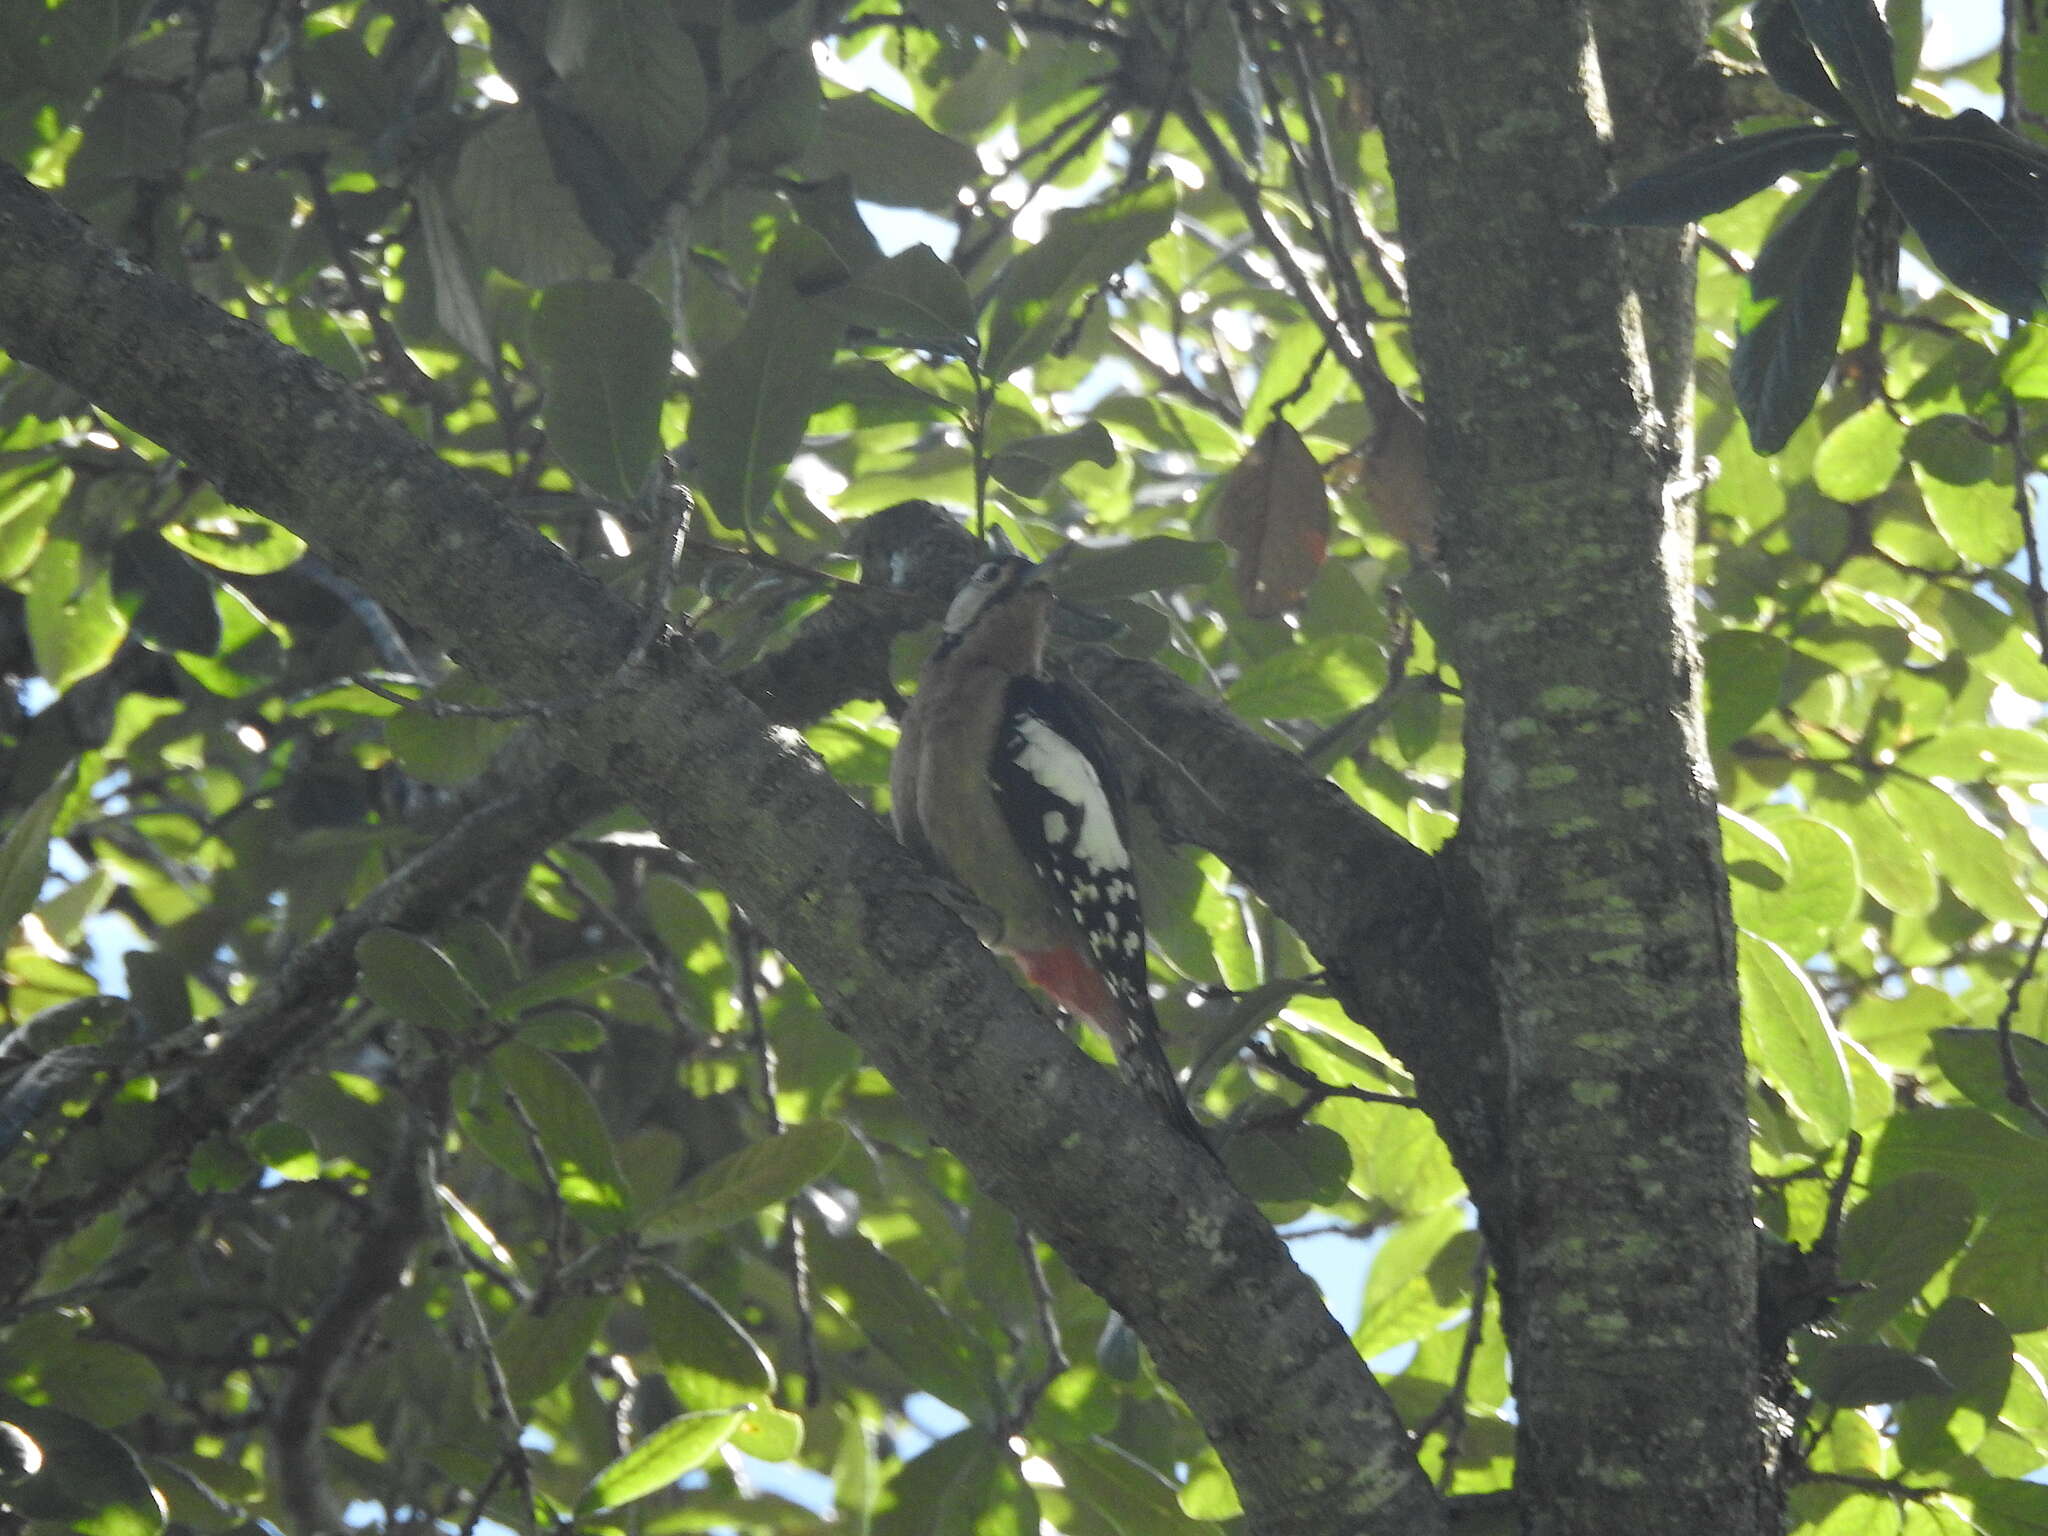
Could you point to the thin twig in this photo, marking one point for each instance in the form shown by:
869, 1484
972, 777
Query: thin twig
1277, 1062
1056, 1361
793, 1247
502, 1407
2016, 1088
2015, 436
1450, 1414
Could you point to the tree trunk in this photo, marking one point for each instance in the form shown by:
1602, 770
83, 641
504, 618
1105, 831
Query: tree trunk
1589, 812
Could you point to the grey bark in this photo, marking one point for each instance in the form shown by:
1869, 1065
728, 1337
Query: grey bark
1589, 806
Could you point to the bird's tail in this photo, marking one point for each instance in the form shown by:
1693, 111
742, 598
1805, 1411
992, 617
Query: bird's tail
1145, 1067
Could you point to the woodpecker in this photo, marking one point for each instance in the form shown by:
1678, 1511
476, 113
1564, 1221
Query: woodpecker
1002, 778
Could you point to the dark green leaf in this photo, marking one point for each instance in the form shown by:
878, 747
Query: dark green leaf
168, 602
539, 1350
1081, 249
2006, 1267
749, 407
913, 296
603, 350
892, 155
25, 852
1787, 53
1858, 1375
1299, 1163
1897, 1239
412, 980
679, 1447
1093, 575
710, 1360
567, 978
612, 205
634, 75
572, 1134
1721, 175
946, 1489
1851, 37
1978, 199
1793, 321
1973, 1349
1745, 673
90, 1480
749, 1180
1130, 1495
907, 1322
1029, 465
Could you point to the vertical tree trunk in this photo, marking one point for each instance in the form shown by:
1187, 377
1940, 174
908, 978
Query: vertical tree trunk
1589, 804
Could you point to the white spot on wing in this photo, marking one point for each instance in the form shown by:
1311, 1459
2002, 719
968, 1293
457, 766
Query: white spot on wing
1064, 769
1055, 826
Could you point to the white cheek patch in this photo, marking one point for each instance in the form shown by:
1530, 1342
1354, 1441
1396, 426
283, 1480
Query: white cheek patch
1063, 769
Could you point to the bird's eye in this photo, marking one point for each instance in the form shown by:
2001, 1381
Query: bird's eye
987, 575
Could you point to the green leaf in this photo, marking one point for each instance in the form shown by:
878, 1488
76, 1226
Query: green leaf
1721, 175
1401, 1300
1977, 196
676, 1449
1322, 678
1851, 37
1131, 1496
1820, 894
709, 1359
1095, 574
571, 1132
892, 155
784, 112
1859, 1375
447, 750
1898, 1238
25, 851
233, 539
1792, 323
74, 625
1748, 845
568, 978
634, 75
1787, 53
513, 212
411, 979
1974, 1350
749, 1180
1305, 1163
539, 1350
954, 1488
1791, 1040
1861, 456
1966, 851
1081, 249
168, 602
1745, 676
2007, 1265
1892, 868
914, 296
749, 407
1996, 754
770, 1434
603, 350
105, 1384
907, 1322
1029, 465
610, 202
90, 1480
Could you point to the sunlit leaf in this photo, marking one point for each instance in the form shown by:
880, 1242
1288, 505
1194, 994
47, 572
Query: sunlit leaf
749, 1180
679, 1447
